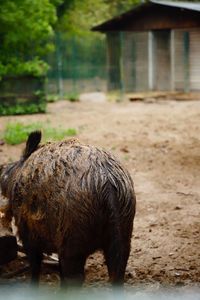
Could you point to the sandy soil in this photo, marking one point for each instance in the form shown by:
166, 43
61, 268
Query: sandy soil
160, 145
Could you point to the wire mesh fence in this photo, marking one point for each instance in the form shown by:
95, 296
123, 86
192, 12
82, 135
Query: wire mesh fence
117, 62
22, 94
77, 65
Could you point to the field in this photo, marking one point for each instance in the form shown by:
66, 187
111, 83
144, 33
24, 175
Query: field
159, 143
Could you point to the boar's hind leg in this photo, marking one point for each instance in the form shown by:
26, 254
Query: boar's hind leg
35, 258
116, 254
71, 269
34, 255
116, 245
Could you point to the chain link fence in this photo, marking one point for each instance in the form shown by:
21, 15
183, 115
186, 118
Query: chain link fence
116, 62
77, 65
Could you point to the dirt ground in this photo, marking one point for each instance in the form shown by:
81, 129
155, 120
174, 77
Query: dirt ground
159, 143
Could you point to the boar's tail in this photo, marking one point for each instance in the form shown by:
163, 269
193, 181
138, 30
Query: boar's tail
32, 143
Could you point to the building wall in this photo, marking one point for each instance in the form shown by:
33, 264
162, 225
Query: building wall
161, 58
194, 59
179, 66
135, 61
145, 61
129, 53
114, 61
156, 60
127, 61
187, 60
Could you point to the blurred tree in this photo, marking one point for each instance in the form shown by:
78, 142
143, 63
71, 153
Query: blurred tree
118, 7
82, 15
25, 31
79, 16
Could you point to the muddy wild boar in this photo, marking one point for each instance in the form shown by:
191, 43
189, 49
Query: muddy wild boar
71, 199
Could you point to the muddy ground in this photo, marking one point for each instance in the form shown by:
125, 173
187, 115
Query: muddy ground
159, 143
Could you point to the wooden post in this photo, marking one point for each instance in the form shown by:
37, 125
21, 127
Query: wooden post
172, 59
150, 61
186, 44
113, 61
122, 87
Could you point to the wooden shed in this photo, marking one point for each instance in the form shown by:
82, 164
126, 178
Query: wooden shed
154, 46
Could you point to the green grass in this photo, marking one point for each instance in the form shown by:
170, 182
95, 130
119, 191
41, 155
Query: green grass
72, 97
51, 98
16, 132
21, 109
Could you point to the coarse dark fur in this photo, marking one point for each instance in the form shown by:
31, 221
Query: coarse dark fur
71, 199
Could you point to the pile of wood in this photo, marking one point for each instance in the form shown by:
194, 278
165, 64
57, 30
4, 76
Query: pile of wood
153, 96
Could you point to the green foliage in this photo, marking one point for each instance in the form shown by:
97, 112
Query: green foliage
25, 31
16, 133
21, 109
51, 98
14, 67
80, 15
22, 95
72, 97
117, 7
58, 134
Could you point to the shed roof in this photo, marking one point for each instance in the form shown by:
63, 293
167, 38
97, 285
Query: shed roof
180, 4
182, 15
